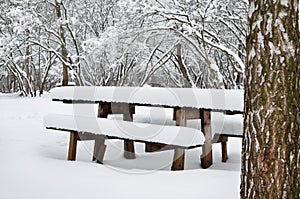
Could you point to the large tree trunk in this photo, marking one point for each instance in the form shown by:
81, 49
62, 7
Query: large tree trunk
270, 158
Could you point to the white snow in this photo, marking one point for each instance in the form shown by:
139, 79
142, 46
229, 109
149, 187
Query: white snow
33, 162
217, 99
284, 2
221, 123
172, 135
227, 124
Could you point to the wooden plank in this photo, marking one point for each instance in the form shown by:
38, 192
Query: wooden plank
178, 159
180, 116
206, 157
122, 108
228, 112
72, 146
155, 147
87, 136
192, 113
104, 109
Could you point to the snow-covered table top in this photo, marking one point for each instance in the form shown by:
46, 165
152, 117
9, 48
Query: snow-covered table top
214, 99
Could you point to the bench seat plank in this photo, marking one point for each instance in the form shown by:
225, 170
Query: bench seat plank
176, 136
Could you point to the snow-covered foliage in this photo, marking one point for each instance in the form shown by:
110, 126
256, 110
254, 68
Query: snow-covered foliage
175, 43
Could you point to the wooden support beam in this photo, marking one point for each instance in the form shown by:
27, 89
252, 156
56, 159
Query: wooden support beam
178, 159
72, 146
97, 147
179, 153
122, 108
153, 147
129, 151
206, 157
190, 113
104, 109
223, 140
180, 116
100, 154
87, 136
224, 151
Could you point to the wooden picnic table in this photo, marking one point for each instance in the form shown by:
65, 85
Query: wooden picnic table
187, 103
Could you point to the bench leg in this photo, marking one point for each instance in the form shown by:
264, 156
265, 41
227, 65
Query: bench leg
224, 140
206, 157
224, 151
97, 147
72, 146
129, 152
100, 154
178, 159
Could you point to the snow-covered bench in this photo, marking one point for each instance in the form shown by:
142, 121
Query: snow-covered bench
92, 128
225, 126
186, 104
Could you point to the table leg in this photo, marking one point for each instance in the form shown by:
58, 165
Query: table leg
129, 151
179, 153
178, 159
99, 150
206, 157
72, 146
100, 154
224, 140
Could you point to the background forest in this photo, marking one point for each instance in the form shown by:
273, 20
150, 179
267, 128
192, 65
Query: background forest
170, 43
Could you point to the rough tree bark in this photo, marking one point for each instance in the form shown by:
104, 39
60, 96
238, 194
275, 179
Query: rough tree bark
270, 158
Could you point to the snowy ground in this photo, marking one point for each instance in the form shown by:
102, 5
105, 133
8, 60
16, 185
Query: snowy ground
33, 163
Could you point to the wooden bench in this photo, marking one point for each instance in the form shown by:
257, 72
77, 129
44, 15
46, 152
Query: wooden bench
228, 125
187, 104
224, 125
99, 129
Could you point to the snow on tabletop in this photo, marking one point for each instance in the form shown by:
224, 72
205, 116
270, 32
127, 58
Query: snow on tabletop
221, 123
216, 99
227, 124
172, 135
